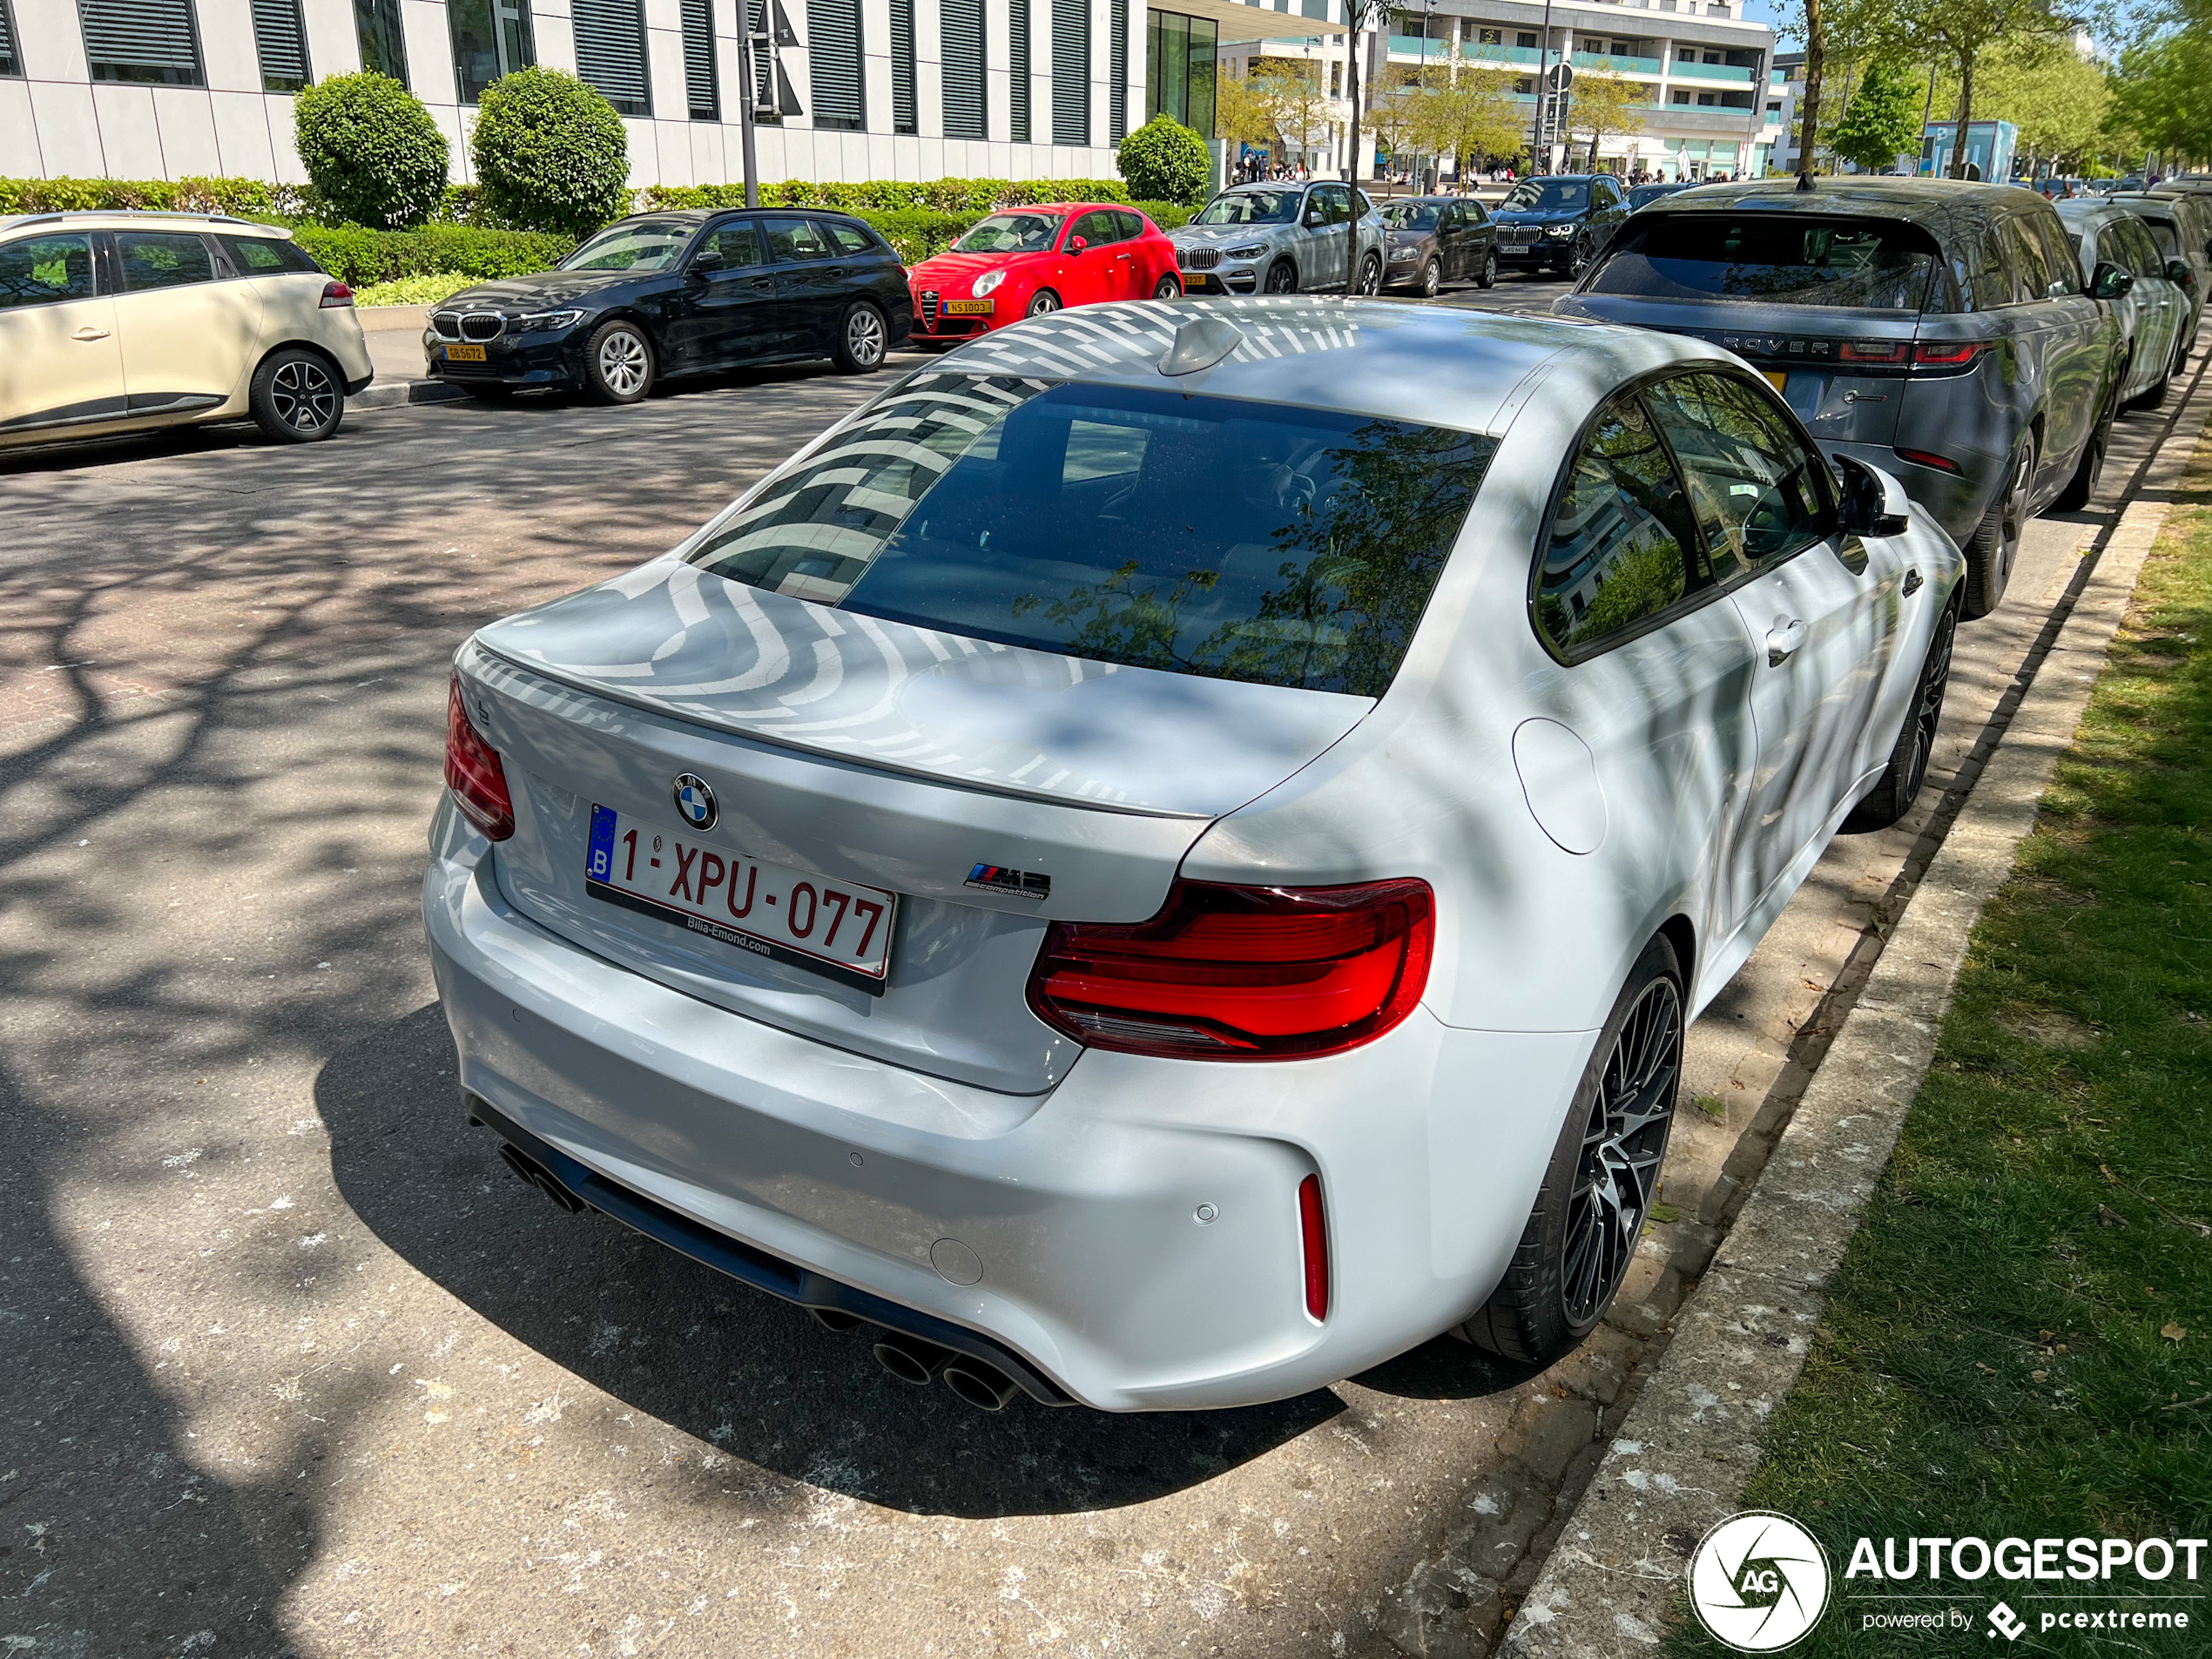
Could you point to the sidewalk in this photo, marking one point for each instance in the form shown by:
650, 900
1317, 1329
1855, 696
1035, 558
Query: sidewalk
394, 336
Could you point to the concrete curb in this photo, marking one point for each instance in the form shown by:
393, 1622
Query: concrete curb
1686, 1450
391, 394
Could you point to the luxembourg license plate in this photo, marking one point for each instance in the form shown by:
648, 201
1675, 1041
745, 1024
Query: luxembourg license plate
968, 307
1776, 378
464, 353
838, 928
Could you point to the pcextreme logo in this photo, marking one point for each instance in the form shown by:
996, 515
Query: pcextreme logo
1758, 1581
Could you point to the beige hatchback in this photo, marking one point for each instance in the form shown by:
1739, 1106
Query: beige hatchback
115, 321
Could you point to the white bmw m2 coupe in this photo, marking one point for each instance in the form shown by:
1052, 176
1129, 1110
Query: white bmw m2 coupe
1166, 859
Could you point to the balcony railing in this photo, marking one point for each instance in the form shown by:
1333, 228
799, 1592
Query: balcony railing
1625, 65
1683, 69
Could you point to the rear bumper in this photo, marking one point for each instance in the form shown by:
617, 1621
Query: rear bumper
1080, 1209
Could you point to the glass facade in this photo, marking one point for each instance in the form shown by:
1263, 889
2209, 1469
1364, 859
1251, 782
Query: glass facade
1179, 69
383, 47
490, 39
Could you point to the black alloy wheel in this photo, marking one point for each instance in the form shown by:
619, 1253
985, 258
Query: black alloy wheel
295, 397
1899, 787
1432, 279
1371, 275
1489, 277
1282, 278
1043, 303
1579, 259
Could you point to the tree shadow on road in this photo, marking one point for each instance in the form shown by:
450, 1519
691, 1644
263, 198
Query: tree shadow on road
754, 1376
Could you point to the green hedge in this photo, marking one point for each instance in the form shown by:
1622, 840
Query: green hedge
244, 198
888, 196
361, 256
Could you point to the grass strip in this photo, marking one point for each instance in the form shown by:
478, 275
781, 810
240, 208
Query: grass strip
2019, 1343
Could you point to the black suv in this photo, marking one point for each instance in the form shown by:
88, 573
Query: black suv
1940, 329
1558, 221
692, 292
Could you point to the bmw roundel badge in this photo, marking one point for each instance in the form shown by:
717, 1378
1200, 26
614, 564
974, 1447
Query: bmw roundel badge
695, 800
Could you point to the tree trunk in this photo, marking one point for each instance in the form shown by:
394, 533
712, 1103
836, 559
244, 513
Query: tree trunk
1965, 115
1808, 111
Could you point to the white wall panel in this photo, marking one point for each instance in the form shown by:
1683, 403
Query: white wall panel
69, 130
553, 26
226, 45
429, 54
129, 138
19, 149
53, 42
187, 126
333, 43
242, 134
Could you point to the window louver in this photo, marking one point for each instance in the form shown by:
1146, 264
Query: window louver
10, 59
610, 53
698, 61
902, 67
961, 45
1017, 63
1071, 71
1117, 62
152, 41
834, 64
282, 40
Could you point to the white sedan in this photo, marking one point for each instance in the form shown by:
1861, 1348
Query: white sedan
1166, 859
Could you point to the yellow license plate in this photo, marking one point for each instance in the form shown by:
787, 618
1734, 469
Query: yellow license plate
464, 353
1194, 281
970, 307
1775, 378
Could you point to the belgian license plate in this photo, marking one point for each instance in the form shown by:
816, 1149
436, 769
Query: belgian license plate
1776, 378
464, 353
968, 307
1196, 281
796, 917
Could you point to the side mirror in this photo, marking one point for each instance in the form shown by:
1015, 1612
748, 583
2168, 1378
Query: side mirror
2180, 271
1315, 218
1077, 244
2110, 282
706, 262
1874, 504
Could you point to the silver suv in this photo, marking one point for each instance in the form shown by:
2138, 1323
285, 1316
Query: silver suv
1278, 239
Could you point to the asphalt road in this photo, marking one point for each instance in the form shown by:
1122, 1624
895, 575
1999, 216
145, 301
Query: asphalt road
293, 1364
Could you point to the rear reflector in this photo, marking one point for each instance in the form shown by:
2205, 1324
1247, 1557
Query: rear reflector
1313, 1235
1927, 458
473, 772
336, 294
1228, 973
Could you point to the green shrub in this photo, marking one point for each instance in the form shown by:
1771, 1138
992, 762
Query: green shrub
971, 196
363, 257
551, 153
414, 291
372, 150
242, 197
1163, 160
1168, 216
915, 233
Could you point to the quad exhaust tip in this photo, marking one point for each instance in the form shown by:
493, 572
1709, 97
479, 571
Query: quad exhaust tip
541, 1177
985, 1388
910, 1359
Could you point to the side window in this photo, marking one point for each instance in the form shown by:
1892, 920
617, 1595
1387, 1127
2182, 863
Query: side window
44, 270
1096, 228
1987, 280
1621, 536
152, 260
2024, 258
2059, 256
1755, 486
267, 256
1476, 213
738, 242
798, 239
1335, 202
2163, 245
1132, 226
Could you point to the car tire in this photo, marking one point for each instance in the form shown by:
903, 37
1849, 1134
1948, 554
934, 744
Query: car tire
1994, 547
1432, 279
1899, 787
862, 339
1043, 303
1282, 278
2154, 395
1578, 259
1604, 1174
1489, 277
1371, 271
2083, 484
1167, 288
296, 396
618, 363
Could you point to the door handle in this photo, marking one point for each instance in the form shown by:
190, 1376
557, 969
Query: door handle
88, 333
764, 282
837, 270
1912, 582
1783, 640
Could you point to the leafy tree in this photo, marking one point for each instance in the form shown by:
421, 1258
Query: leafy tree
1300, 104
373, 154
1472, 113
1605, 108
1964, 30
2162, 99
1243, 109
551, 153
1883, 119
1165, 161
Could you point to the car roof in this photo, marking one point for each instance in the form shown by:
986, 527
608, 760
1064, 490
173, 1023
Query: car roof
1427, 364
1937, 204
126, 218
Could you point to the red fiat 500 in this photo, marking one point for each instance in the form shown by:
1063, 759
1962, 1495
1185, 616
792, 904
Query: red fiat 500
1025, 261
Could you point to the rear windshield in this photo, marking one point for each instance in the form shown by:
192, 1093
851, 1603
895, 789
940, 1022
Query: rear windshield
1778, 259
1162, 529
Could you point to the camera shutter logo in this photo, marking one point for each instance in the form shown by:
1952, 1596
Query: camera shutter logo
695, 799
1758, 1581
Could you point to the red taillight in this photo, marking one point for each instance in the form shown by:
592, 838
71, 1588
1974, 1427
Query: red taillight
1875, 351
1948, 354
1226, 972
336, 294
473, 772
1928, 458
1313, 1235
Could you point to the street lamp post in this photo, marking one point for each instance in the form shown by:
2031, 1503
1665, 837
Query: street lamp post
745, 100
1536, 161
